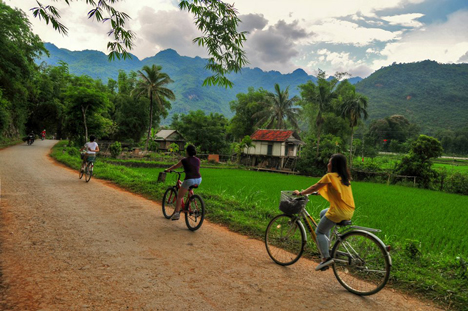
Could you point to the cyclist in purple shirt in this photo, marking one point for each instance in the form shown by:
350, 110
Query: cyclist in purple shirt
191, 166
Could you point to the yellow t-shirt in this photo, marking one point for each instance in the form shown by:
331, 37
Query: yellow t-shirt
340, 198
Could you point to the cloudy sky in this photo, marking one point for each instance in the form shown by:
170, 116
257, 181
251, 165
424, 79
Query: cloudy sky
356, 36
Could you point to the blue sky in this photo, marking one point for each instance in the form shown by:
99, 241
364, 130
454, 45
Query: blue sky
356, 36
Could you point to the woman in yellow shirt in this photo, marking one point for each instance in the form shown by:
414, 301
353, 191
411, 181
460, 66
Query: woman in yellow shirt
335, 187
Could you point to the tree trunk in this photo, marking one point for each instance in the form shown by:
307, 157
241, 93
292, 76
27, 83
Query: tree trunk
318, 122
351, 149
150, 122
83, 111
319, 129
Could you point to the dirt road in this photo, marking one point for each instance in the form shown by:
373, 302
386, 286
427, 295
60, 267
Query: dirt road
71, 245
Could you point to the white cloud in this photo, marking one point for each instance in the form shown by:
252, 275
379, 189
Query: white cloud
166, 29
372, 51
274, 48
443, 42
406, 20
344, 32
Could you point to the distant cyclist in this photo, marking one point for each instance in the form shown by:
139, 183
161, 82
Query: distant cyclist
43, 134
191, 166
91, 148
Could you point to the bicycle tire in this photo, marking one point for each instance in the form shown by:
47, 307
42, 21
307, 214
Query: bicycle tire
361, 263
195, 213
88, 172
81, 173
285, 239
169, 202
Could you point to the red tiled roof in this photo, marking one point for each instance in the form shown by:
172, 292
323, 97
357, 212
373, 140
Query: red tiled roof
271, 135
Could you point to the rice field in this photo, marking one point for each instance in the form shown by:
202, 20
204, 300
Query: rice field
452, 167
437, 220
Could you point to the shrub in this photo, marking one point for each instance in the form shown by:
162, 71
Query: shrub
73, 151
115, 149
456, 183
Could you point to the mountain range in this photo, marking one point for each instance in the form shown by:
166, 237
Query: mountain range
430, 94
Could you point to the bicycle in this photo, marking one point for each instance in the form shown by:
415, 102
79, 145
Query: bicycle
89, 167
193, 205
362, 261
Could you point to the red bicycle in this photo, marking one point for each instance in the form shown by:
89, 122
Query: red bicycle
192, 206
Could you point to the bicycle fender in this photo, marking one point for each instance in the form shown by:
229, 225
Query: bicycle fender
376, 238
302, 227
303, 230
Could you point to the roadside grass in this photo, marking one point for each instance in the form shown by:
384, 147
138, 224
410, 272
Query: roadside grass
427, 229
4, 143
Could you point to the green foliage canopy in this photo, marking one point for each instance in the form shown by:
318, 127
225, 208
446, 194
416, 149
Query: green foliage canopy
207, 132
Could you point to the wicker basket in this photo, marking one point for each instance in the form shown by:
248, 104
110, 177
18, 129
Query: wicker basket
291, 204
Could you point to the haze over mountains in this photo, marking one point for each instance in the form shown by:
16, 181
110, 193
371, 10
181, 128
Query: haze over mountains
430, 94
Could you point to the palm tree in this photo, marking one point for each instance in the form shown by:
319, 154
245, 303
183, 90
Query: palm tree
151, 84
322, 96
353, 108
278, 107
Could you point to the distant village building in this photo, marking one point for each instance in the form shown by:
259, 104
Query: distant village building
165, 138
278, 149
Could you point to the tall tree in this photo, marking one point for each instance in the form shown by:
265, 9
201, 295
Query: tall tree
216, 20
85, 98
321, 95
277, 108
353, 108
19, 47
245, 106
207, 132
152, 84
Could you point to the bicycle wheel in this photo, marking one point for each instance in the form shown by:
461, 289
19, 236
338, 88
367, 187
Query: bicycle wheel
195, 213
81, 173
362, 264
88, 171
285, 239
169, 202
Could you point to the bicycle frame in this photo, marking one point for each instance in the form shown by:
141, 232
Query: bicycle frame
311, 225
186, 199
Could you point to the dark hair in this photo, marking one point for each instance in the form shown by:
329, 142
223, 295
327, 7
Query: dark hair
92, 138
338, 165
191, 151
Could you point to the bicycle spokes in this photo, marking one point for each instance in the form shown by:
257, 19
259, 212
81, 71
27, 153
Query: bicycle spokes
195, 212
362, 264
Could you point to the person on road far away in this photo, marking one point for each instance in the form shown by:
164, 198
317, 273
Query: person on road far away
335, 187
191, 166
91, 148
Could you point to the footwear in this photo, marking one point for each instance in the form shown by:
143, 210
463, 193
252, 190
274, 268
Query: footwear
175, 216
324, 264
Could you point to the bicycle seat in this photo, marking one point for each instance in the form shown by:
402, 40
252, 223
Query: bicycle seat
193, 187
344, 223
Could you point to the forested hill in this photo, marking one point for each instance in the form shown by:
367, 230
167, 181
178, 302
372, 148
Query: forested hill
188, 75
433, 95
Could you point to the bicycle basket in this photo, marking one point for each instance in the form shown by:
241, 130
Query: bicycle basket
290, 204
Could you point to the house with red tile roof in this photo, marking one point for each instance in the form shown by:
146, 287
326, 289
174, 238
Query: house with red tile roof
274, 148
